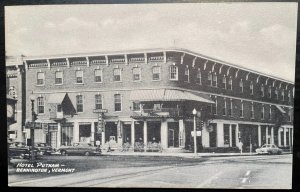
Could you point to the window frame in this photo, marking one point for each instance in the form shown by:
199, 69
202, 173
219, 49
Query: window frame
37, 79
224, 82
97, 103
230, 83
117, 103
78, 76
251, 86
252, 116
214, 79
199, 77
262, 90
139, 73
187, 75
241, 85
139, 108
95, 75
262, 115
62, 77
40, 105
242, 110
114, 75
78, 98
173, 72
225, 108
159, 73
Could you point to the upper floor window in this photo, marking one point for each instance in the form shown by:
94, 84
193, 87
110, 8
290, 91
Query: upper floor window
118, 102
270, 112
117, 74
186, 75
58, 77
199, 76
251, 87
276, 93
252, 111
40, 105
156, 73
98, 101
225, 107
282, 94
209, 78
214, 106
230, 109
242, 109
241, 86
98, 75
79, 76
173, 72
224, 82
79, 103
262, 90
215, 80
262, 115
40, 78
230, 83
269, 92
136, 106
289, 96
136, 74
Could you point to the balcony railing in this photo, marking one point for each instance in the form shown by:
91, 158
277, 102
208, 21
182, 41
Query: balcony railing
158, 58
164, 111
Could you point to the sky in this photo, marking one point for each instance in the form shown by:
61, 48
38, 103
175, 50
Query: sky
258, 36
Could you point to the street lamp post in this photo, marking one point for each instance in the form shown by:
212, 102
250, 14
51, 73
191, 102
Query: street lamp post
32, 129
195, 134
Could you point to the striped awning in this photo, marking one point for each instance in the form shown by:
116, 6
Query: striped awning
168, 95
56, 98
280, 109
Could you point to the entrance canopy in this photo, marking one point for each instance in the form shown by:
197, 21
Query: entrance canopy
168, 95
56, 98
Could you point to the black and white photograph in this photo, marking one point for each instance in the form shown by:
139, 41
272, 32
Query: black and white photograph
151, 95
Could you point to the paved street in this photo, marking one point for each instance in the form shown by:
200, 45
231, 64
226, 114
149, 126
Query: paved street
169, 172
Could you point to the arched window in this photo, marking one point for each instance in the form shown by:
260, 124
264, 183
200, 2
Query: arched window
230, 83
251, 87
224, 82
241, 86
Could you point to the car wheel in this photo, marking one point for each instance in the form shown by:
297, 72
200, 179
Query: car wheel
87, 153
63, 152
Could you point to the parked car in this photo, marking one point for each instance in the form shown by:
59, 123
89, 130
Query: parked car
269, 149
44, 148
20, 150
80, 149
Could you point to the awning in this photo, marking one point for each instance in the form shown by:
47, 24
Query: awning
280, 109
168, 95
56, 98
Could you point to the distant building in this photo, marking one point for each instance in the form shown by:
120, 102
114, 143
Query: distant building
15, 91
149, 96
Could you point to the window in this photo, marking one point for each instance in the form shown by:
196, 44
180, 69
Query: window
136, 106
270, 112
282, 94
252, 111
58, 77
290, 115
214, 81
269, 92
199, 78
79, 103
59, 108
289, 96
226, 134
241, 86
117, 74
40, 105
251, 87
186, 75
224, 82
156, 73
230, 83
230, 109
40, 78
276, 93
225, 107
98, 101
242, 109
136, 74
262, 115
79, 76
98, 75
173, 73
209, 78
214, 106
262, 90
118, 103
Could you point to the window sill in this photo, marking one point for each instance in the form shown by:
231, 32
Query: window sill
59, 84
79, 83
173, 79
40, 85
98, 82
156, 80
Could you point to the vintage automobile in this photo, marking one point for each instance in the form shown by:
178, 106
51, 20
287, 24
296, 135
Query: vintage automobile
44, 148
269, 149
20, 150
80, 149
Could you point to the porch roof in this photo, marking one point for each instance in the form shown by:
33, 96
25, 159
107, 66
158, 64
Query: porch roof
56, 98
168, 95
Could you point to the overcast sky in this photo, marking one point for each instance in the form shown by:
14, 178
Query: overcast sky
259, 36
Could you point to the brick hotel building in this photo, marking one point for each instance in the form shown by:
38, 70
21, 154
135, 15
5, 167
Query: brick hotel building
149, 96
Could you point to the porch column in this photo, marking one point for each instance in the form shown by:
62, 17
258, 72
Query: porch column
132, 134
279, 137
267, 134
164, 134
92, 132
230, 135
182, 133
119, 133
205, 136
259, 135
284, 136
76, 132
272, 135
237, 139
145, 134
220, 135
58, 142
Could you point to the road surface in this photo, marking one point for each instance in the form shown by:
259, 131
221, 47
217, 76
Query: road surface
250, 172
